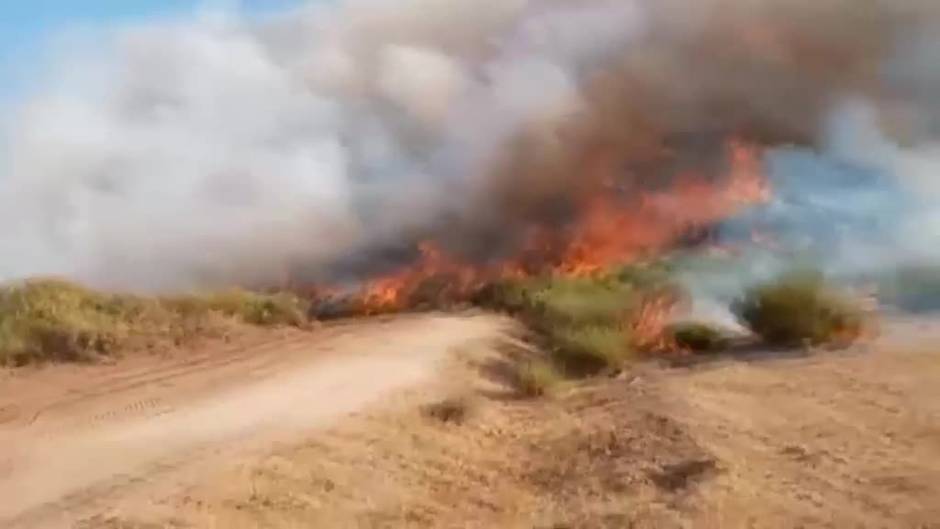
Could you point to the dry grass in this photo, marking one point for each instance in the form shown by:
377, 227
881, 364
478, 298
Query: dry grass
58, 321
589, 458
660, 452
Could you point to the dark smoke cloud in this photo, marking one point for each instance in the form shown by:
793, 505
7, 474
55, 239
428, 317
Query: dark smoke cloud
328, 140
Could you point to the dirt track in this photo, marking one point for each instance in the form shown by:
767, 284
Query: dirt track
266, 436
75, 436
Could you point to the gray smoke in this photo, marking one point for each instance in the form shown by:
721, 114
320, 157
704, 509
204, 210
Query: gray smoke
227, 150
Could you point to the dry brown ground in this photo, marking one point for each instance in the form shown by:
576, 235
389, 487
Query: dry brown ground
824, 440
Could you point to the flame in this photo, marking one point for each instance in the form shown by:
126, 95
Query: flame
616, 225
648, 325
616, 231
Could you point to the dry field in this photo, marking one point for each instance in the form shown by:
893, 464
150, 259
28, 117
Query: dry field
406, 423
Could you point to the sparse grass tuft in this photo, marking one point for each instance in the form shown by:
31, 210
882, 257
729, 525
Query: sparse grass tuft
53, 320
536, 378
698, 337
451, 410
800, 309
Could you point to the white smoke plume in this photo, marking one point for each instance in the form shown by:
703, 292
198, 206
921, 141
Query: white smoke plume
226, 149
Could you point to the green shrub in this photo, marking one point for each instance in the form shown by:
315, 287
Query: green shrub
800, 309
586, 322
583, 302
657, 275
697, 337
587, 350
510, 295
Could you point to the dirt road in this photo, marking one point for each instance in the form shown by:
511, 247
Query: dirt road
331, 430
74, 436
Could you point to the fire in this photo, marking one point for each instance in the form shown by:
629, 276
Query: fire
614, 230
649, 324
616, 225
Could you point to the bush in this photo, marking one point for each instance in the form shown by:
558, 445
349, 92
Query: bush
583, 302
588, 323
800, 309
260, 309
535, 378
509, 295
697, 337
53, 320
588, 350
58, 321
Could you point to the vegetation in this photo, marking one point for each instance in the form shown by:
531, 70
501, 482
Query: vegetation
800, 309
536, 378
587, 323
249, 307
584, 350
52, 320
697, 337
450, 410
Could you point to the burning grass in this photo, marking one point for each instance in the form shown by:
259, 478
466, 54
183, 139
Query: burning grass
800, 309
53, 320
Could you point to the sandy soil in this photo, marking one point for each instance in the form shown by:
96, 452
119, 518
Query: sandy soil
74, 437
333, 430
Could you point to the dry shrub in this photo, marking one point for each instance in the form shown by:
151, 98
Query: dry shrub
535, 378
252, 307
54, 320
697, 337
800, 309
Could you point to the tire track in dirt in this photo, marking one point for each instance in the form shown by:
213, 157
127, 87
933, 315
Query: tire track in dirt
148, 376
84, 448
252, 357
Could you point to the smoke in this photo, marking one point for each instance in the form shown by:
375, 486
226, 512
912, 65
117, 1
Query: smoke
322, 142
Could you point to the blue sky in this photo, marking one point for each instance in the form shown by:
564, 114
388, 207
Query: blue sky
25, 25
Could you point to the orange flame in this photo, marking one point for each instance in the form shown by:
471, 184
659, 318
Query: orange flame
614, 227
